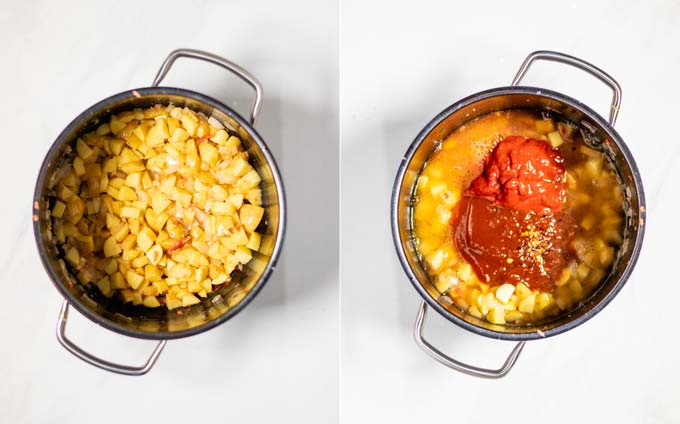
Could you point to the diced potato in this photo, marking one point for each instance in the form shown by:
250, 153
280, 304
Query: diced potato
157, 134
146, 238
155, 253
58, 209
129, 212
208, 153
111, 247
545, 126
134, 279
254, 196
496, 315
555, 139
254, 241
250, 216
72, 256
544, 300
79, 166
104, 285
526, 305
243, 255
564, 277
84, 151
189, 300
504, 291
151, 302
248, 181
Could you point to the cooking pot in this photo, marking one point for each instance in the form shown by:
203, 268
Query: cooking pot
224, 302
598, 133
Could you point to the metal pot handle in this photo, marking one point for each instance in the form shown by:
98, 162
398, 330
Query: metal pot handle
457, 365
580, 64
219, 61
98, 362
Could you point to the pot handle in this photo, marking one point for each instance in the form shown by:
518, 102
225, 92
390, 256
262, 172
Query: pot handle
219, 61
455, 364
98, 362
580, 64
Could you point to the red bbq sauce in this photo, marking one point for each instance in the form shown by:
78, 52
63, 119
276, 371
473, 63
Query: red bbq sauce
508, 226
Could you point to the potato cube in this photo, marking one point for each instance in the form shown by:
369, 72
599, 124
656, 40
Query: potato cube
545, 126
555, 139
117, 281
116, 146
513, 316
103, 129
208, 153
78, 166
128, 242
504, 291
496, 315
543, 301
58, 209
243, 255
130, 254
151, 302
120, 231
129, 212
220, 137
254, 196
189, 300
84, 151
111, 247
146, 238
139, 261
125, 193
189, 122
248, 181
159, 202
134, 279
526, 305
152, 272
254, 241
157, 134
250, 216
72, 256
172, 302
110, 165
134, 180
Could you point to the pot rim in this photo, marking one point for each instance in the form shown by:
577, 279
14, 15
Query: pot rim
467, 101
87, 115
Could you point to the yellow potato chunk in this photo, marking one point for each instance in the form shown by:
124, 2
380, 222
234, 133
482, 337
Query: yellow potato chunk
145, 238
250, 216
134, 279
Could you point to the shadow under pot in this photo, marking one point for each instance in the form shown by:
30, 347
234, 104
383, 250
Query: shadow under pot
225, 300
600, 136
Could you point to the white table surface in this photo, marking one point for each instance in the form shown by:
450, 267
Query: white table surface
277, 361
401, 64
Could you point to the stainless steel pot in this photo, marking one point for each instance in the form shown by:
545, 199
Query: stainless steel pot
603, 137
222, 304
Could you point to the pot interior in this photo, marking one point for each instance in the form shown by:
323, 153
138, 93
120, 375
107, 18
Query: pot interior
225, 300
598, 134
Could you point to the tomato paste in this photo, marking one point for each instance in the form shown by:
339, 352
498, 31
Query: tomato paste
523, 174
508, 226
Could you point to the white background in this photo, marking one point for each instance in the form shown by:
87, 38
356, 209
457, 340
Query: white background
277, 361
401, 64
